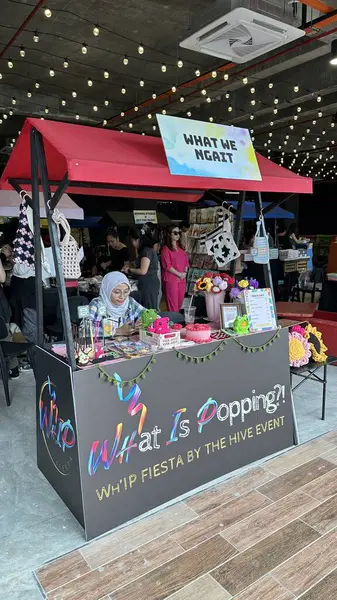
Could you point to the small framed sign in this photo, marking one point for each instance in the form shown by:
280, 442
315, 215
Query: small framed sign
228, 314
83, 311
260, 310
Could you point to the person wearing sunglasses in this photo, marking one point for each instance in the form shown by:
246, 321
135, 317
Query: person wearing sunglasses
174, 261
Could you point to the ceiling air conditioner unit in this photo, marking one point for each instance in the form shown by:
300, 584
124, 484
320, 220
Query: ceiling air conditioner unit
241, 35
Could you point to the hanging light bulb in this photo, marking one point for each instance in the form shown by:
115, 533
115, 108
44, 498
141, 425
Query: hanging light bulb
271, 123
270, 85
51, 72
29, 94
10, 64
299, 109
96, 30
105, 122
189, 114
163, 111
5, 116
90, 83
253, 102
226, 76
136, 109
46, 110
180, 64
84, 49
125, 60
66, 63
270, 134
106, 74
173, 89
122, 114
214, 74
77, 116
63, 102
10, 112
320, 114
95, 108
0, 75
37, 85
227, 95
204, 92
182, 99
36, 37
275, 100
22, 52
319, 98
296, 89
163, 68
123, 90
154, 127
295, 117
13, 101
245, 80
74, 94
142, 83
197, 73
47, 12
208, 99
154, 95
130, 125
252, 90
275, 111
141, 49
106, 102
149, 116
291, 127
211, 119
251, 117
230, 108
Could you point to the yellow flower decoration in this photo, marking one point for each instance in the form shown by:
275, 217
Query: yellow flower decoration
317, 346
243, 283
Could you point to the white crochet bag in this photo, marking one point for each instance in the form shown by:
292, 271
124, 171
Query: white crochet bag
68, 247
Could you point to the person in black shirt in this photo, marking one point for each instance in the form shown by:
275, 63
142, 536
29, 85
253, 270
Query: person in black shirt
146, 271
119, 254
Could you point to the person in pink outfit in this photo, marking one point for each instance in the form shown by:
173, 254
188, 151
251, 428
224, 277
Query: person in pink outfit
174, 261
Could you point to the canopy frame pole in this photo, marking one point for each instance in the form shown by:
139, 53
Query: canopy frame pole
55, 244
37, 238
277, 203
238, 226
266, 267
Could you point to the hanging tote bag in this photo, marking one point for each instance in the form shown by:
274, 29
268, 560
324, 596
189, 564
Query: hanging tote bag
261, 244
68, 247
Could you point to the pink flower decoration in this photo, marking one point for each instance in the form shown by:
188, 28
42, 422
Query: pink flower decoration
298, 329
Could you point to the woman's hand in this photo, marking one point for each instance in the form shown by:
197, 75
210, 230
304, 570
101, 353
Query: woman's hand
126, 329
126, 269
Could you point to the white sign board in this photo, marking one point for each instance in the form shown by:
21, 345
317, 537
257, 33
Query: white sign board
260, 310
145, 216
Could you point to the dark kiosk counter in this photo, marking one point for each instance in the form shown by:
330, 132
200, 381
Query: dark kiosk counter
120, 439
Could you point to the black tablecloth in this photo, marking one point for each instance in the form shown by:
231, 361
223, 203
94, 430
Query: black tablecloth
328, 300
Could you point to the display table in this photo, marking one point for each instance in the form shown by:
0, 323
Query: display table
309, 372
170, 423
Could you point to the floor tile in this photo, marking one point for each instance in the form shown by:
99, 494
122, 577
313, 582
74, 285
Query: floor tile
119, 572
178, 573
219, 519
128, 538
205, 588
324, 517
217, 495
265, 589
61, 571
331, 456
326, 589
300, 455
21, 586
310, 565
323, 487
291, 481
270, 519
331, 437
252, 564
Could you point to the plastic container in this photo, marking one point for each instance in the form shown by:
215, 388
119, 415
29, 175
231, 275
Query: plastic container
189, 315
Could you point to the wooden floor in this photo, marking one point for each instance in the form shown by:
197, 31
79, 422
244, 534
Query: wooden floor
270, 534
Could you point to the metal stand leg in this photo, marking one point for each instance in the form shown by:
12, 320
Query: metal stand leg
296, 434
325, 377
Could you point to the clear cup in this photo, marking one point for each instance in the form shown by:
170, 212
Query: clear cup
189, 314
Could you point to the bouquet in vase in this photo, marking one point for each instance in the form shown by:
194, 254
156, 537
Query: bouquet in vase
214, 286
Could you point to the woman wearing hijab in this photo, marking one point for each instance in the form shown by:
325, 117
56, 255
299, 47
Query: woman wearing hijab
114, 302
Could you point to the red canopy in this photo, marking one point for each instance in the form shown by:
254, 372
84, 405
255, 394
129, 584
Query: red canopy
131, 164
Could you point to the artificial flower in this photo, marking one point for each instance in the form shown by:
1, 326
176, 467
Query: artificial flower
299, 350
317, 346
298, 329
244, 283
253, 283
234, 293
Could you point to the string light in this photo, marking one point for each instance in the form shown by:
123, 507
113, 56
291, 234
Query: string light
51, 72
182, 99
230, 108
140, 49
174, 89
46, 110
29, 94
271, 123
320, 114
63, 102
37, 84
164, 68
253, 102
0, 75
227, 95
130, 125
136, 109
122, 114
163, 111
214, 74
314, 122
123, 90
77, 116
211, 119
252, 90
125, 60
47, 13
270, 85
296, 89
36, 37
142, 83
149, 116
180, 64
275, 100
208, 99
90, 82
95, 108
14, 101
295, 117
10, 64
204, 92
96, 30
245, 80
226, 76
66, 63
197, 73
299, 109
154, 95
275, 111
154, 127
319, 98
251, 117
22, 52
74, 94
5, 116
106, 74
84, 49
106, 102
105, 122
189, 114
